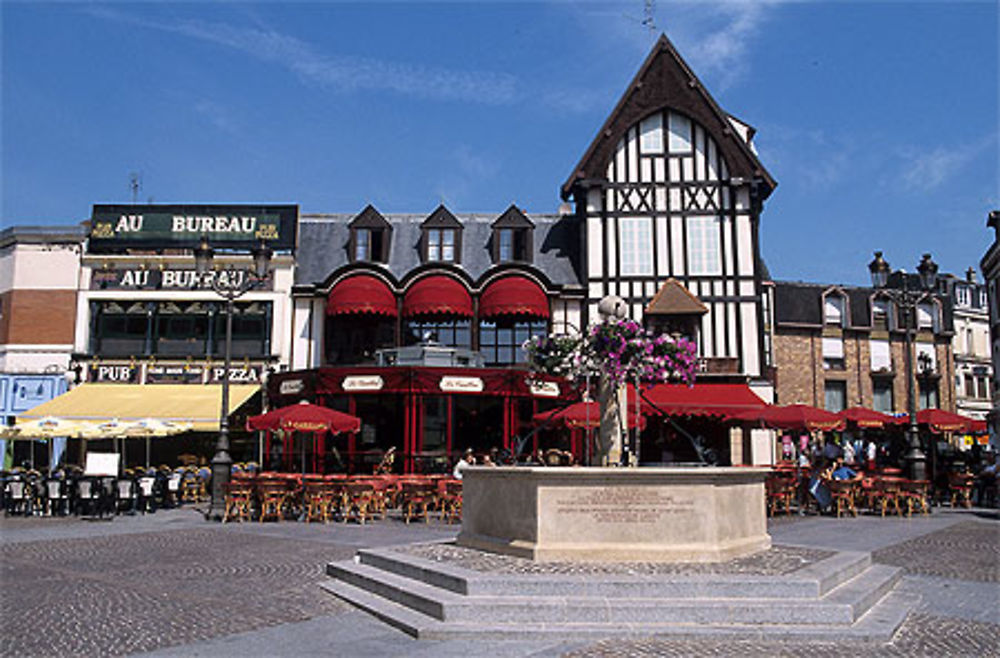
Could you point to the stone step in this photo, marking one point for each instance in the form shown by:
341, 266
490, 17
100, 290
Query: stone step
809, 582
878, 625
843, 605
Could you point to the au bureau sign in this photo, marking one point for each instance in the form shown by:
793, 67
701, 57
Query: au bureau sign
167, 279
117, 227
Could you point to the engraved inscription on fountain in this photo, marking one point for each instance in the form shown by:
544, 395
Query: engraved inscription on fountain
623, 504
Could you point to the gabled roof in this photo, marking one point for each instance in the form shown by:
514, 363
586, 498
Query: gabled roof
674, 299
369, 218
441, 218
513, 217
666, 81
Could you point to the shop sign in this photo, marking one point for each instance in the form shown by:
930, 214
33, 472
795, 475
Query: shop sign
174, 374
544, 389
171, 226
291, 387
237, 374
120, 373
362, 383
462, 384
174, 279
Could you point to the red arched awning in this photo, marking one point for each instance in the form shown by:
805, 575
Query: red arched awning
514, 295
437, 295
362, 293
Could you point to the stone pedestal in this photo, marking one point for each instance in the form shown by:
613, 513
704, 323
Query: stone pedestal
615, 514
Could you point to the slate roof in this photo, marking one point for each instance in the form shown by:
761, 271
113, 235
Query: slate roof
801, 304
324, 240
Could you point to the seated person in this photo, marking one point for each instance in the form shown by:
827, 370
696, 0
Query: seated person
842, 472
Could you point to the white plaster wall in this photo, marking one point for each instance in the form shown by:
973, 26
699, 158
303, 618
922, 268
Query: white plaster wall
40, 267
35, 358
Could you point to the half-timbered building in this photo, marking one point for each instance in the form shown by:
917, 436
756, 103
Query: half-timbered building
671, 188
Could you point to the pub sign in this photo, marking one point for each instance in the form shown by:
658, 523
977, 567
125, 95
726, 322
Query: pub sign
117, 227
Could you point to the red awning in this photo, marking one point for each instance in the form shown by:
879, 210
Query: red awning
437, 295
514, 295
362, 293
724, 400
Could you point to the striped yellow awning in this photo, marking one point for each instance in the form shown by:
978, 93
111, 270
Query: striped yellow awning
188, 403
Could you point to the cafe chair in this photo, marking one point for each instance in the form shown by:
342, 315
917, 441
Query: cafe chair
126, 497
18, 497
56, 497
960, 487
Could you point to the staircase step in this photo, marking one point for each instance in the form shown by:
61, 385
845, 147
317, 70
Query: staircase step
843, 606
866, 589
806, 583
877, 626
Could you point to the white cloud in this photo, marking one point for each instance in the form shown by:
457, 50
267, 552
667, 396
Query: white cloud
926, 170
722, 50
341, 72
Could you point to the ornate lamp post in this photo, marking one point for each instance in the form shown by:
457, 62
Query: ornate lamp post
229, 284
907, 301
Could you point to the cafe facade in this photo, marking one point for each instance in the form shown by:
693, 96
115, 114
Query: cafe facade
415, 322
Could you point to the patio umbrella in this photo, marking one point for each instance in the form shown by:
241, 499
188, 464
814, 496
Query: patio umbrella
582, 415
867, 418
939, 420
305, 417
794, 417
149, 427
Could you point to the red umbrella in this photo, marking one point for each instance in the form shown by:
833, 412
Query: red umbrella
940, 420
867, 418
582, 415
305, 417
795, 417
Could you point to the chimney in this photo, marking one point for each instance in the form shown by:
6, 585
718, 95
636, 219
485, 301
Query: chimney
970, 275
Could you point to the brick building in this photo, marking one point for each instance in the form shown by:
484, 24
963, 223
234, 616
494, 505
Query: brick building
838, 346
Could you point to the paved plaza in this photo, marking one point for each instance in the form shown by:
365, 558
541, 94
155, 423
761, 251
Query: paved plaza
171, 584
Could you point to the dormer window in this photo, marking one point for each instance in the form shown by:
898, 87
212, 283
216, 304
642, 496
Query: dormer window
833, 310
370, 237
880, 314
512, 237
442, 237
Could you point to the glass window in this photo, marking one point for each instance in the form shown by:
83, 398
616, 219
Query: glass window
833, 354
500, 341
651, 130
441, 244
182, 331
702, 246
506, 247
680, 133
926, 358
635, 244
447, 332
836, 396
928, 395
362, 244
354, 339
970, 386
119, 333
925, 316
882, 396
982, 298
881, 358
962, 295
833, 310
880, 314
983, 390
249, 331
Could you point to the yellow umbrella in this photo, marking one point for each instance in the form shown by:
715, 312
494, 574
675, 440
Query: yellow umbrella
150, 427
47, 427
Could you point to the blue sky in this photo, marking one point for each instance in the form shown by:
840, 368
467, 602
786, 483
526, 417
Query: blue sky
878, 119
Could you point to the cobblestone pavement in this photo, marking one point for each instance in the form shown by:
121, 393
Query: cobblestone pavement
777, 561
173, 583
965, 551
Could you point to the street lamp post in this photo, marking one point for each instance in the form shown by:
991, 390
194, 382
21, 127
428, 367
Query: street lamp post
234, 284
907, 301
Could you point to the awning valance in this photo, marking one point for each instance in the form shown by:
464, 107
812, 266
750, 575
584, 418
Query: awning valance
723, 400
198, 405
362, 293
514, 295
437, 295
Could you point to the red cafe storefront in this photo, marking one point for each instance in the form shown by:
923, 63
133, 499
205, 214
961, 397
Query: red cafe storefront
430, 415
